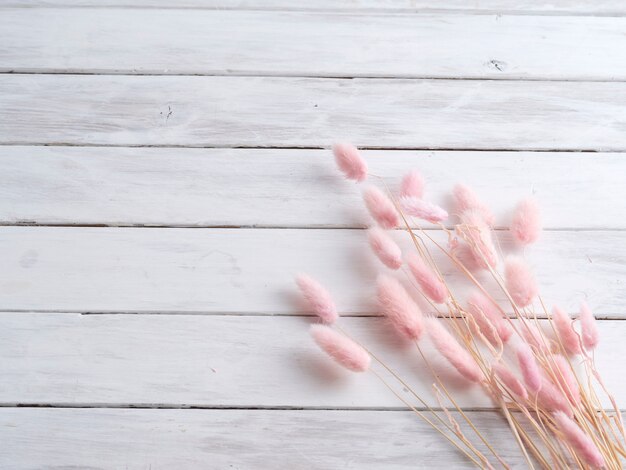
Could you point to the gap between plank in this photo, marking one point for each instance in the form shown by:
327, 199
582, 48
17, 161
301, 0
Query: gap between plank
32, 223
307, 147
260, 74
176, 406
91, 312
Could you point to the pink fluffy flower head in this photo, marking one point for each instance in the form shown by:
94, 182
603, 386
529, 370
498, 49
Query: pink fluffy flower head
534, 337
412, 185
529, 368
565, 330
381, 208
318, 298
564, 378
466, 199
520, 281
431, 285
551, 398
398, 306
385, 248
526, 224
580, 442
477, 234
423, 209
341, 348
488, 318
464, 254
589, 328
350, 162
450, 348
508, 378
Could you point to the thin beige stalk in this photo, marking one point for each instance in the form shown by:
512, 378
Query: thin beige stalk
421, 415
458, 408
409, 388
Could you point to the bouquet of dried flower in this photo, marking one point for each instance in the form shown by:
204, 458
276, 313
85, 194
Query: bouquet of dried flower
537, 366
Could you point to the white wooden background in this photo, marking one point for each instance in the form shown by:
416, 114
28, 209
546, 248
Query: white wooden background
164, 172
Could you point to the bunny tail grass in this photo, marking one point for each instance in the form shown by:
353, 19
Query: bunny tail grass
423, 209
526, 224
520, 281
318, 298
465, 199
341, 348
590, 334
350, 162
431, 285
398, 306
412, 185
381, 208
580, 442
486, 313
450, 348
565, 330
383, 246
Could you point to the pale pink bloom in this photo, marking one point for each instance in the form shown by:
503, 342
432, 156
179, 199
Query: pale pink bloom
489, 318
385, 248
508, 378
552, 398
350, 162
341, 348
398, 306
381, 208
450, 348
423, 209
465, 199
568, 336
564, 377
529, 368
520, 281
433, 287
580, 442
589, 328
465, 256
526, 225
412, 185
477, 234
534, 337
318, 298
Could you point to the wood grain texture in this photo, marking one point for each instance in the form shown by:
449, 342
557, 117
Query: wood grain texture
223, 439
224, 361
229, 187
326, 44
251, 271
599, 7
305, 112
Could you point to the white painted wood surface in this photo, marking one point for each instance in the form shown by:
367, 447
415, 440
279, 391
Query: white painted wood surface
189, 439
599, 7
218, 42
194, 187
175, 361
206, 316
306, 112
251, 270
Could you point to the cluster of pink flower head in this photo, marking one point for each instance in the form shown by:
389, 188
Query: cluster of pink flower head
555, 387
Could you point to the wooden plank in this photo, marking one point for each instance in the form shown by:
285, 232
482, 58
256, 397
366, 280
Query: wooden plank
599, 7
217, 42
194, 187
242, 439
223, 361
251, 271
290, 112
